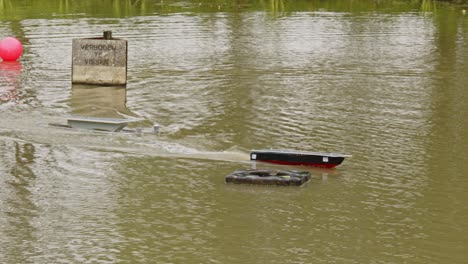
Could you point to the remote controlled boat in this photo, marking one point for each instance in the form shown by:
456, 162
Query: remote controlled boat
294, 157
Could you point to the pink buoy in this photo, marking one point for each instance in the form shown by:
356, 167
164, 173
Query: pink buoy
10, 49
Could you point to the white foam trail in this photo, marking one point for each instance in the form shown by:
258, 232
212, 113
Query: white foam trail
35, 128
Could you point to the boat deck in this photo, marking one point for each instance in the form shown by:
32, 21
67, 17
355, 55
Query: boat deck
99, 123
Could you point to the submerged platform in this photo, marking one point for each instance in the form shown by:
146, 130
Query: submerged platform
269, 177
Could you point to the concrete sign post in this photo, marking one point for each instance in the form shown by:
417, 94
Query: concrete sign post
101, 61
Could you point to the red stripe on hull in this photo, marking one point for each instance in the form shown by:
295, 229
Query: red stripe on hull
282, 162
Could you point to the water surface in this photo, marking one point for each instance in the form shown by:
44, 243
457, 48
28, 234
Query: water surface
386, 84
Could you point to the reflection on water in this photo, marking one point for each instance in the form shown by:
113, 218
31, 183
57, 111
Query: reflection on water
99, 101
10, 72
19, 204
129, 8
103, 101
386, 86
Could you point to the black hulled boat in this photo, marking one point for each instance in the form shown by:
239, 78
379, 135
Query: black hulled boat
294, 157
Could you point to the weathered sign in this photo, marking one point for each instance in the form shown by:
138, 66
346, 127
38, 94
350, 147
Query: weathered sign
101, 61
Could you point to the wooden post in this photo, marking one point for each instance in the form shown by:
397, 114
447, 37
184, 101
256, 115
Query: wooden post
107, 35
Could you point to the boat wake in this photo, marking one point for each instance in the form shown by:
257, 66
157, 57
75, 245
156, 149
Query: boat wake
36, 129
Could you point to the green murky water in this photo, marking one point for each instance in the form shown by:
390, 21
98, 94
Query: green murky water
385, 82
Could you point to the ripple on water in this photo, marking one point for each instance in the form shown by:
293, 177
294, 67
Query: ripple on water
368, 84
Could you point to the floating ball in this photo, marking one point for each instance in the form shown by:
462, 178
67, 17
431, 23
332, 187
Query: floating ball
10, 49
